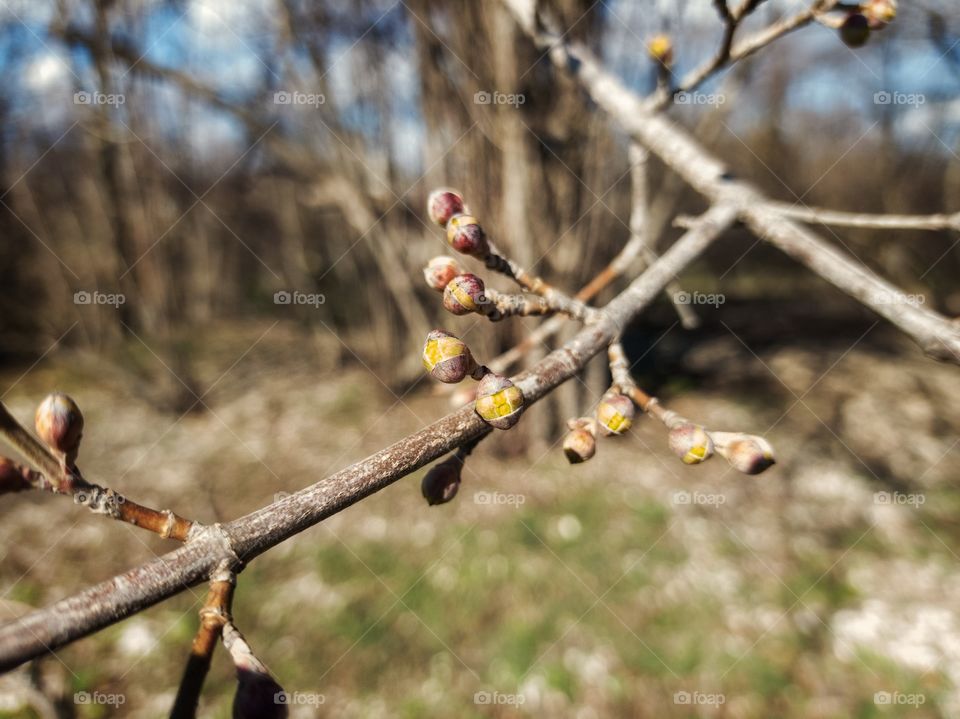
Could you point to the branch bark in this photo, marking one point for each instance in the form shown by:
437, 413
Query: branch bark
240, 541
938, 336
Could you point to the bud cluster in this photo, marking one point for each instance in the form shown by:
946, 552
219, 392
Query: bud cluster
498, 401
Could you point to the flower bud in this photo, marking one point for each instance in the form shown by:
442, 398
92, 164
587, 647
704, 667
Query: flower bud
880, 13
855, 30
447, 358
746, 453
580, 444
440, 270
464, 234
59, 423
258, 697
499, 401
443, 204
615, 413
464, 294
14, 477
660, 49
690, 442
441, 483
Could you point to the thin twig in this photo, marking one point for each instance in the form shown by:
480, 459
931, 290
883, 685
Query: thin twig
938, 336
730, 53
838, 218
103, 604
99, 500
214, 614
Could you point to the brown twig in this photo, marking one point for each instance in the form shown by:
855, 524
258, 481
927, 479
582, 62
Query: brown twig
214, 615
245, 538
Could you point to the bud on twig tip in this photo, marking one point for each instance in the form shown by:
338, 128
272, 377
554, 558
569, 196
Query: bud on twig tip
464, 234
59, 424
443, 204
464, 294
615, 413
499, 401
446, 357
440, 270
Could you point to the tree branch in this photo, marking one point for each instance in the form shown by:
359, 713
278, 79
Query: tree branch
937, 335
837, 218
240, 541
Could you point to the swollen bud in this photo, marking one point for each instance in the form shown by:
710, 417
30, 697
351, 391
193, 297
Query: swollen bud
59, 423
443, 204
258, 697
690, 442
441, 483
615, 413
855, 30
879, 13
660, 49
464, 234
580, 444
746, 453
499, 401
440, 270
447, 358
464, 294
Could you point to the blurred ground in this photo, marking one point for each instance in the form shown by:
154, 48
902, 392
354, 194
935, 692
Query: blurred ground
625, 587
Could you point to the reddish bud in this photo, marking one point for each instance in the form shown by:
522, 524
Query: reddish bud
447, 358
258, 697
464, 234
443, 204
855, 30
441, 483
464, 294
746, 453
499, 401
440, 270
615, 413
59, 423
